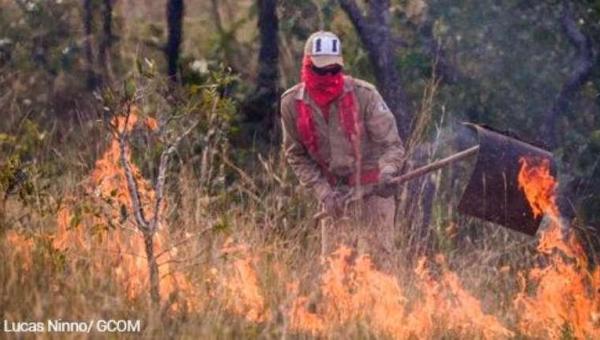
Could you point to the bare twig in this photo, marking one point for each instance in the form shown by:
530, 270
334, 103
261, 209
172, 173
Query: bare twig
184, 260
162, 174
251, 195
207, 153
177, 244
191, 264
269, 168
241, 172
132, 185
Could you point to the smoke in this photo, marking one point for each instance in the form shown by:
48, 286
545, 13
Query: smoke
446, 140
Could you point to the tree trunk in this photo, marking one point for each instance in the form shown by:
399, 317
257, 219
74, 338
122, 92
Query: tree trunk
152, 269
584, 62
261, 105
175, 10
88, 19
376, 36
104, 56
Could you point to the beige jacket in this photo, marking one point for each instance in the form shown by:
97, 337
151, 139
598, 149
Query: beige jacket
380, 143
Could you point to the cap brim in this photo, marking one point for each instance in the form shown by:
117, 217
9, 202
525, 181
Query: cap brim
326, 60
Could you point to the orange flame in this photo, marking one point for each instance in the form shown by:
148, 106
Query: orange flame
356, 291
556, 300
448, 303
242, 292
565, 296
123, 248
351, 292
538, 185
21, 247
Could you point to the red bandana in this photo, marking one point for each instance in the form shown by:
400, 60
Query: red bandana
323, 89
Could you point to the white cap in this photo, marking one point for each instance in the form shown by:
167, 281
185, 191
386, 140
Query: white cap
324, 48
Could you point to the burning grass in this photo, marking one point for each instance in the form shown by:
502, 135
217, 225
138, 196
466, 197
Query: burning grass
112, 241
260, 287
354, 291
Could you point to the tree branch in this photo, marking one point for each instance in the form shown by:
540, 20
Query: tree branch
148, 229
106, 41
162, 174
88, 18
132, 186
354, 13
375, 34
584, 61
184, 241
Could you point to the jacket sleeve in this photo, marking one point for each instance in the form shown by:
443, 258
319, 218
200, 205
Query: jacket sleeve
380, 125
304, 166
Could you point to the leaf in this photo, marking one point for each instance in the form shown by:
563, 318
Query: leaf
129, 88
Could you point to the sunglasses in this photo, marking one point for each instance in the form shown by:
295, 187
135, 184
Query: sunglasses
332, 70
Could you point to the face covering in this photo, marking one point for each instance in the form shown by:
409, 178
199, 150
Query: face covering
323, 89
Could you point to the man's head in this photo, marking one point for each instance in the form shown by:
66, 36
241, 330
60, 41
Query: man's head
322, 67
324, 50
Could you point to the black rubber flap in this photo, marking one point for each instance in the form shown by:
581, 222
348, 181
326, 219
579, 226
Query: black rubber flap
493, 192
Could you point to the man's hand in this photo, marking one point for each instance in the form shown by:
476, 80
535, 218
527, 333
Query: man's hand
333, 203
387, 174
386, 187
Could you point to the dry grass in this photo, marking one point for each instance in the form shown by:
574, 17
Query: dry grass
251, 255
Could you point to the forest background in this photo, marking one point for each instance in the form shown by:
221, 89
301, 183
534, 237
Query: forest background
205, 77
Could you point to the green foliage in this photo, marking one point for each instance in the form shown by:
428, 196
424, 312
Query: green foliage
41, 57
53, 46
19, 170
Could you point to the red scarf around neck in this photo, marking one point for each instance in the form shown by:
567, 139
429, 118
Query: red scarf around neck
324, 89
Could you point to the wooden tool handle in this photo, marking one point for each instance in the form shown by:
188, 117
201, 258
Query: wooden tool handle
425, 170
436, 165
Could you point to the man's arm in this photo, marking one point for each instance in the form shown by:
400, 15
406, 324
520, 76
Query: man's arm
381, 127
306, 169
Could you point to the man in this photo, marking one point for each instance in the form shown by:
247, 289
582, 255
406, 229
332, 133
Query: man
340, 137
